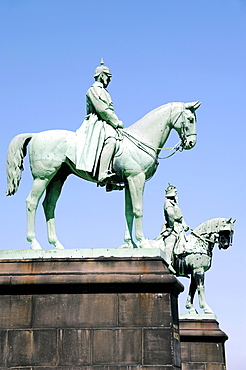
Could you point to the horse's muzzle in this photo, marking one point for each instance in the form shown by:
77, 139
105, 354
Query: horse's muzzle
190, 142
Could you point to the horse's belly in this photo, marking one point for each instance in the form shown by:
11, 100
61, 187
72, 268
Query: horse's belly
198, 260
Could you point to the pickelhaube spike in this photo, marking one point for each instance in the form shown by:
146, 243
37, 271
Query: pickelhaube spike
171, 190
102, 68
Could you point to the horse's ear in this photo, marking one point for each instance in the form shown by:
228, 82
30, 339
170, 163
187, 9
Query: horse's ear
195, 105
231, 221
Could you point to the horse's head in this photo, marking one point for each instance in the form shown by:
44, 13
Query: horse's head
226, 233
217, 230
183, 120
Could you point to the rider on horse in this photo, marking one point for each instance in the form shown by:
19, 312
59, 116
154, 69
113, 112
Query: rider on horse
96, 138
173, 235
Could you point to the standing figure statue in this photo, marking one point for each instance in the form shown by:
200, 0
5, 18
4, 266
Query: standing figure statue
96, 138
174, 231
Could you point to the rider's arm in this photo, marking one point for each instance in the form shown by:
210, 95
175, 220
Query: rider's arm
104, 109
169, 214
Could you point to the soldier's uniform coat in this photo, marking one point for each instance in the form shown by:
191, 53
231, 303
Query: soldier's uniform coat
99, 124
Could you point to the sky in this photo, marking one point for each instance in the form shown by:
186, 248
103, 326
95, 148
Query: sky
159, 51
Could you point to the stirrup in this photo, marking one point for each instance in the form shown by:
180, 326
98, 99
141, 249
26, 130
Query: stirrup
112, 186
104, 179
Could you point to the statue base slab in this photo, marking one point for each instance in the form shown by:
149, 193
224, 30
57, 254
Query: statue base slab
202, 344
81, 253
88, 313
197, 316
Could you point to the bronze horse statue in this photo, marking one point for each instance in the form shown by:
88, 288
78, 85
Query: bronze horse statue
197, 256
53, 157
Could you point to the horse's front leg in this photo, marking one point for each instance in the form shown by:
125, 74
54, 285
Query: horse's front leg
32, 201
136, 188
129, 220
190, 298
199, 277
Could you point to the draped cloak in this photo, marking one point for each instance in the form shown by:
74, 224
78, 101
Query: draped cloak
99, 124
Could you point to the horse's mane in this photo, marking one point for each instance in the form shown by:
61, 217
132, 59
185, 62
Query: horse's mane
210, 226
154, 112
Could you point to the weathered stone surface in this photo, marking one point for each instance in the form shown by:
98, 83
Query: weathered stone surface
15, 311
98, 367
158, 346
215, 367
74, 347
3, 347
109, 319
27, 347
121, 346
75, 310
146, 309
206, 352
51, 272
20, 344
194, 366
202, 345
130, 346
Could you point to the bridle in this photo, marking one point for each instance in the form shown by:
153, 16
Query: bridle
178, 147
182, 134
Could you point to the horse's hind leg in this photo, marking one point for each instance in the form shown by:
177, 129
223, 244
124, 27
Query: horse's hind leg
53, 192
32, 201
199, 276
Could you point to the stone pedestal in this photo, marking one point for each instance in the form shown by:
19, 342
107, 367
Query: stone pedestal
202, 345
88, 313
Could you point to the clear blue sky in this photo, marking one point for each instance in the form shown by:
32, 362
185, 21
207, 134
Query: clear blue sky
159, 51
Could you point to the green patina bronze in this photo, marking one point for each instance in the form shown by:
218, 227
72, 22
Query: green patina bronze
192, 254
100, 151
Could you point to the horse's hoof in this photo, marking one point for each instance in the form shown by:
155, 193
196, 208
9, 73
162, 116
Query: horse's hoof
192, 311
144, 244
124, 246
129, 245
58, 245
208, 311
35, 246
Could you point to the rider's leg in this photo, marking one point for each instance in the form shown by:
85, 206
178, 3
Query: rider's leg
106, 156
169, 243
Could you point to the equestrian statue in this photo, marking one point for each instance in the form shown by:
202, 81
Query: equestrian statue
100, 151
192, 254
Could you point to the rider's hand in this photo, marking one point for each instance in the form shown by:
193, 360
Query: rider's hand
120, 124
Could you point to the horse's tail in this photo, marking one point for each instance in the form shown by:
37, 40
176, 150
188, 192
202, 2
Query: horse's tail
15, 157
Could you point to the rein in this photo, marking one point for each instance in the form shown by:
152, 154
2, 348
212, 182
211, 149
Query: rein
177, 147
141, 145
200, 237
